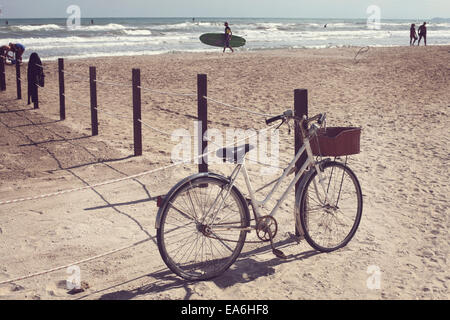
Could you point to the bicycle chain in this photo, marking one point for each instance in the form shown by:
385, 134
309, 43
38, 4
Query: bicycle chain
254, 228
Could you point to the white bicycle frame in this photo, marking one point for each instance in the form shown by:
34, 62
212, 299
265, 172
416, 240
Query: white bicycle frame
257, 205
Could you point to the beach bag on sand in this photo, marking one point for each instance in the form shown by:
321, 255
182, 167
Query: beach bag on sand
35, 75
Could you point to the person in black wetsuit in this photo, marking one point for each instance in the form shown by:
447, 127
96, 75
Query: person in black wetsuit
228, 35
35, 76
422, 33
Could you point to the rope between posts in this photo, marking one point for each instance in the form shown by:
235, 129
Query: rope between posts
47, 89
168, 93
155, 129
166, 133
75, 263
51, 90
75, 101
140, 120
160, 131
86, 187
162, 92
75, 75
127, 177
237, 108
114, 83
112, 115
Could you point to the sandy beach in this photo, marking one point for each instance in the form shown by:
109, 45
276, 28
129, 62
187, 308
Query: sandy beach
399, 96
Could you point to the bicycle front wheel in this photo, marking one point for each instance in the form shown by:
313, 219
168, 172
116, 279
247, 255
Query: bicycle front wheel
331, 209
202, 228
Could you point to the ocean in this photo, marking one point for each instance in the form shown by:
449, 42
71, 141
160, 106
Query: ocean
51, 38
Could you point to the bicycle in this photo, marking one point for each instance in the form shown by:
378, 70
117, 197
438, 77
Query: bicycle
203, 221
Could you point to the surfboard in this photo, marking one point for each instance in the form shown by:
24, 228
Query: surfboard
218, 40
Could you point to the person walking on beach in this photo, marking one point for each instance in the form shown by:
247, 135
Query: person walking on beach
228, 35
422, 33
412, 35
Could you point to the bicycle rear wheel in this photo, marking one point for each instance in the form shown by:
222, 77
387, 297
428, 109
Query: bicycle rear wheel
201, 231
330, 225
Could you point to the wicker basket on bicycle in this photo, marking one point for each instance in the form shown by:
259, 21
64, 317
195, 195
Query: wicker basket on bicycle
336, 141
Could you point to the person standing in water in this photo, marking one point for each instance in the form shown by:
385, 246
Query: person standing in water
422, 33
412, 35
228, 35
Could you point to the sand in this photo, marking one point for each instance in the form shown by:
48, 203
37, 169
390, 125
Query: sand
399, 96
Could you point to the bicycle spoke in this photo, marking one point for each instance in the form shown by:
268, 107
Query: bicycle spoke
187, 241
186, 215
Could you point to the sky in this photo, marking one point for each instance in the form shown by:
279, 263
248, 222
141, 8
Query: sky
390, 9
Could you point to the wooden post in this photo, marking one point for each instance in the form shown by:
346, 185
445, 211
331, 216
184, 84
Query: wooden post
62, 98
93, 90
300, 109
202, 112
137, 126
18, 81
2, 75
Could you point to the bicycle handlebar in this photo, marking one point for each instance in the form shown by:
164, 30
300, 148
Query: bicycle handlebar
288, 114
285, 115
273, 119
322, 118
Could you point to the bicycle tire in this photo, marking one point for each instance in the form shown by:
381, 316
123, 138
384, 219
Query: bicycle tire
206, 250
317, 222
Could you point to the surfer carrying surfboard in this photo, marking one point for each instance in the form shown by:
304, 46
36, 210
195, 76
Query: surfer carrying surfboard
228, 35
223, 40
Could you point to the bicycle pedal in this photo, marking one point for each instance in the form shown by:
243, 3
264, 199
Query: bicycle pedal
279, 254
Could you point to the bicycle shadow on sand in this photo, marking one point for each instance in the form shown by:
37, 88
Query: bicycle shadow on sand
246, 269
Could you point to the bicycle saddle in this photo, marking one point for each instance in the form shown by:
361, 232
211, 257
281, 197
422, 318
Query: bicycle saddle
234, 154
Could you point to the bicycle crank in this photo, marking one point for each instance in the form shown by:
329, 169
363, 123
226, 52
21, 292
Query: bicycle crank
266, 229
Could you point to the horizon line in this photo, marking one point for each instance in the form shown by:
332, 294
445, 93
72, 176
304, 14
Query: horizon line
217, 17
